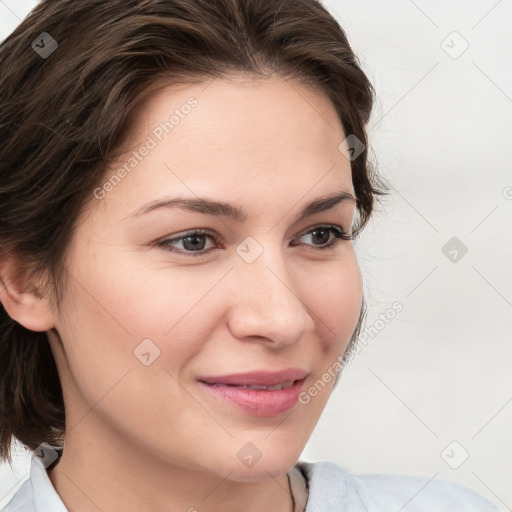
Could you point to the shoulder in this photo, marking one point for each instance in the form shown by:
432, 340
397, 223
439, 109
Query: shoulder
23, 499
332, 486
37, 492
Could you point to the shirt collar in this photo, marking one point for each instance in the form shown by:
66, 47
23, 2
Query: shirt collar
46, 498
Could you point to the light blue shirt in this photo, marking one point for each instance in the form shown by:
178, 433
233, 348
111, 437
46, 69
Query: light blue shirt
331, 489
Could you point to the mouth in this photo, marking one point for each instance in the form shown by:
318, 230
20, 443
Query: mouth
258, 378
276, 387
259, 398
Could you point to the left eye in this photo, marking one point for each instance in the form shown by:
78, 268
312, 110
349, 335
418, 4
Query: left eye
324, 232
193, 241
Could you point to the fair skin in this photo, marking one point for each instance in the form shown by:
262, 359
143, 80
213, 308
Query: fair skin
148, 437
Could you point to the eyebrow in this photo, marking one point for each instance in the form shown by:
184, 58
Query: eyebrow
234, 212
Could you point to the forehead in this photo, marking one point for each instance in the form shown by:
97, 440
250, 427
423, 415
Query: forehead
239, 110
241, 134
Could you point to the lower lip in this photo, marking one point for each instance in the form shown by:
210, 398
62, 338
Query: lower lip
258, 401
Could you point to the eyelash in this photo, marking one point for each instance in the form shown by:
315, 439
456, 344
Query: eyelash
337, 231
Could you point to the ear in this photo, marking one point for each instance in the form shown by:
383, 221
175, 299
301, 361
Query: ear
22, 298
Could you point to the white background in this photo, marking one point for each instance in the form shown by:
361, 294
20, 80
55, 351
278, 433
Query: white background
438, 372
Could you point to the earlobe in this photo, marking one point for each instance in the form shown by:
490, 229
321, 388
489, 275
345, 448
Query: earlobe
22, 298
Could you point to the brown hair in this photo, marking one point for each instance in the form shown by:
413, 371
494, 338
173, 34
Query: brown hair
63, 113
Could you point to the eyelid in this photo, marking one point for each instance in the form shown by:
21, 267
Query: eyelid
323, 225
191, 232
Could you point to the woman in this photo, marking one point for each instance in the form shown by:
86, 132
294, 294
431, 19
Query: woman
180, 185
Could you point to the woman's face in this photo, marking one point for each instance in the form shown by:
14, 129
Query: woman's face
140, 325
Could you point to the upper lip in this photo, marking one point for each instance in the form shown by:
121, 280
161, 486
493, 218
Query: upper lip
257, 378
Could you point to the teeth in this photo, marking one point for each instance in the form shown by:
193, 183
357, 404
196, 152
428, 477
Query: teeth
276, 387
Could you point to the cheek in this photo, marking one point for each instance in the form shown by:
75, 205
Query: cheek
113, 304
334, 302
106, 320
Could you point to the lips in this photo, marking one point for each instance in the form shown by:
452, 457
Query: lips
258, 379
259, 393
277, 387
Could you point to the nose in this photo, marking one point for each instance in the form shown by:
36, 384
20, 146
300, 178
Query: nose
268, 302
